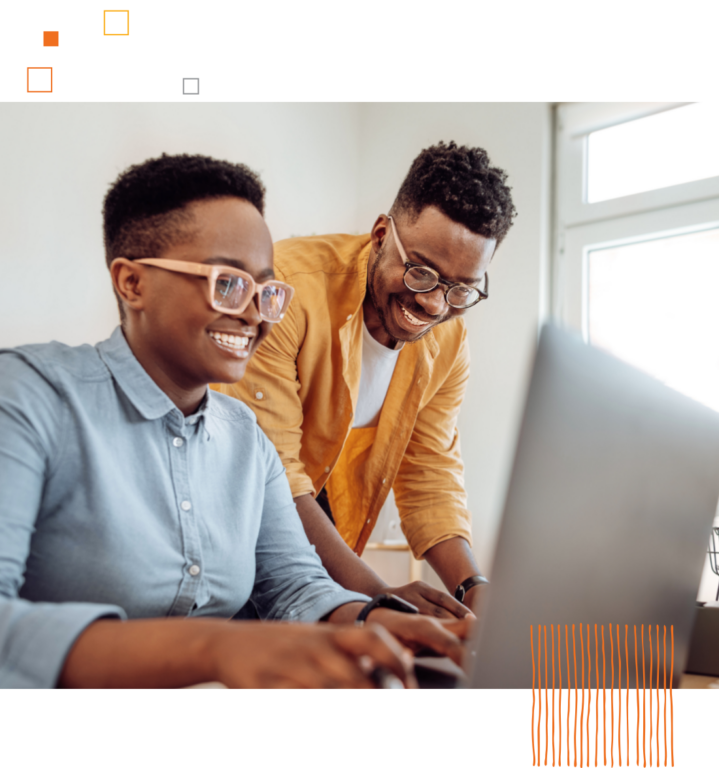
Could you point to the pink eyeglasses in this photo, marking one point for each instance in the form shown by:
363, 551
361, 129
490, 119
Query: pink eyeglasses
231, 290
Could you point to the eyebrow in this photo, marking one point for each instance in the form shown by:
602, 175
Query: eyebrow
430, 263
266, 274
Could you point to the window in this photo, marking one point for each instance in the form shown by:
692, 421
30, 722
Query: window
637, 247
635, 265
662, 150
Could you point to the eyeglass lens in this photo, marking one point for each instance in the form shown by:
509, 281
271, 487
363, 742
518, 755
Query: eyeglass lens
231, 293
272, 301
422, 280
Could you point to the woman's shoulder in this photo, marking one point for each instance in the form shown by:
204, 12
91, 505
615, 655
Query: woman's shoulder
40, 371
230, 408
239, 425
52, 361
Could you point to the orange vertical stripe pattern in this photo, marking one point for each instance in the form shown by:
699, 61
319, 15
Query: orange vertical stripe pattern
657, 657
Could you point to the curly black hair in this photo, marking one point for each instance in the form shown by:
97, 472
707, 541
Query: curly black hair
145, 210
463, 185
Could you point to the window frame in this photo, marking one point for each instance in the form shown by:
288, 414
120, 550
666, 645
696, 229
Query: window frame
580, 227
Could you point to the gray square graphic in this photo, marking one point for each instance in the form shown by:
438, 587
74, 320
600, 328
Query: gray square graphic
191, 86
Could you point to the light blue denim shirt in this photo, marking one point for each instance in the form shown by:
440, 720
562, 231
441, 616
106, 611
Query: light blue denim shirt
112, 503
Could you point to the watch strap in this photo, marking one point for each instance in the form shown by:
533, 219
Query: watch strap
385, 601
466, 585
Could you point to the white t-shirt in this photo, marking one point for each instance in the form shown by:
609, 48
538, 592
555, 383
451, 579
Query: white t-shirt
378, 364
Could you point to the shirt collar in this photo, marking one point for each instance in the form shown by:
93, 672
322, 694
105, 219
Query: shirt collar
135, 382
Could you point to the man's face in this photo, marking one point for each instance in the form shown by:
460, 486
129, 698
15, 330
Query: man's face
433, 239
179, 329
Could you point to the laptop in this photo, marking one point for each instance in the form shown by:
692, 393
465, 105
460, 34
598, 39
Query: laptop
608, 512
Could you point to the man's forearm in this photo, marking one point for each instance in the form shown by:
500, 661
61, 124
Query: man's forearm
453, 561
342, 564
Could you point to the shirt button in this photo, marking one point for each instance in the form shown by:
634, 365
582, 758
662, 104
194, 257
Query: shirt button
259, 395
368, 521
384, 480
194, 570
178, 442
327, 469
186, 505
349, 317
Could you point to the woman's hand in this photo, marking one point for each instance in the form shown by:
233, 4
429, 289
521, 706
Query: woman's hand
279, 655
175, 653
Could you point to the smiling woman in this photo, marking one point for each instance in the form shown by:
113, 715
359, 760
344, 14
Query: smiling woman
130, 491
169, 320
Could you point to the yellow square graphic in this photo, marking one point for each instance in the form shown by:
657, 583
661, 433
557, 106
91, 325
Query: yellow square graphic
116, 23
115, 41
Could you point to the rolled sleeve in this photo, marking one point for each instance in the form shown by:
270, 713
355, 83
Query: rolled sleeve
35, 638
429, 487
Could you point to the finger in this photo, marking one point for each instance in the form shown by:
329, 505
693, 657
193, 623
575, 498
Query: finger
345, 670
427, 608
462, 628
445, 605
381, 647
431, 634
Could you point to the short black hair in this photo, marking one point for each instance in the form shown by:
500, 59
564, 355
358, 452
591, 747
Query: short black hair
460, 182
145, 210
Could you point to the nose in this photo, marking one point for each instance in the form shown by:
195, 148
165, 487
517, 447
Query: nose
432, 302
251, 315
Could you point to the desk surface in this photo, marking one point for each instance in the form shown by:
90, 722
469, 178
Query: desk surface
699, 681
689, 682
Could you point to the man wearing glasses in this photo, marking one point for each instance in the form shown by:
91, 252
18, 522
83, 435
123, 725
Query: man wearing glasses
360, 386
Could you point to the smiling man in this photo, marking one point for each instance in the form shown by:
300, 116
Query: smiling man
360, 386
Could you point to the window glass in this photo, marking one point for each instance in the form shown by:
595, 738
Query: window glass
654, 304
662, 150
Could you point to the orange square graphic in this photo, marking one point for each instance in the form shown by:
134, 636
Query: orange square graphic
50, 39
39, 79
116, 23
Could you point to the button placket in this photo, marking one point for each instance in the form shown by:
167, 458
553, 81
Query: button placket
191, 552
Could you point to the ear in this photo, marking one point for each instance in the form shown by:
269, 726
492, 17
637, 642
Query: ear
127, 280
379, 232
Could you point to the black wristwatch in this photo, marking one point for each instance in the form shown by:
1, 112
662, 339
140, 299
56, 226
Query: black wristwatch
466, 585
385, 601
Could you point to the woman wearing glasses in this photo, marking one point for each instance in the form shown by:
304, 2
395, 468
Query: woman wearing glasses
132, 498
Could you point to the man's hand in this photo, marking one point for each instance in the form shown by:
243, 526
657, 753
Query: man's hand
431, 601
422, 633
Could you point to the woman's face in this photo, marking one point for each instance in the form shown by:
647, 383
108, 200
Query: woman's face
177, 329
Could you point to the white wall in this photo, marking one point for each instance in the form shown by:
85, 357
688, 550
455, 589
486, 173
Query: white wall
502, 331
327, 168
57, 161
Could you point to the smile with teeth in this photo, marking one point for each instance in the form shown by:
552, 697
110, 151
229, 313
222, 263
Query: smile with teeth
411, 318
229, 340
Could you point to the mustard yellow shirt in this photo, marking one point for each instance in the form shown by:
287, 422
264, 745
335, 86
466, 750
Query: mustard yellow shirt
303, 383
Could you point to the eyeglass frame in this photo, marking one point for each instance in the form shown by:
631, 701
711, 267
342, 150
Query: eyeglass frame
211, 273
483, 295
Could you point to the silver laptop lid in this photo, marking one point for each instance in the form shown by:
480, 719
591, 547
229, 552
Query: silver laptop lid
607, 517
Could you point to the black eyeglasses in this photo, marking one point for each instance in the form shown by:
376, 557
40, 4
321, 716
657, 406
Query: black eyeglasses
422, 279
